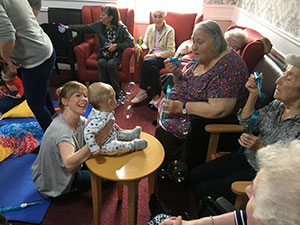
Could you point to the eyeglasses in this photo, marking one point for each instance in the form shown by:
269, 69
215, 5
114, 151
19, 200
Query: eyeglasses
157, 16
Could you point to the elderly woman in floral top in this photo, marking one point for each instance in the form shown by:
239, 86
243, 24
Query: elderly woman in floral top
278, 121
210, 86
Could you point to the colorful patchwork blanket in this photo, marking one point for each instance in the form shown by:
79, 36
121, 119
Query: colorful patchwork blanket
19, 138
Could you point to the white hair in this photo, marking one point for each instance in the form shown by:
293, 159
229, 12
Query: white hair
238, 36
162, 11
277, 197
293, 60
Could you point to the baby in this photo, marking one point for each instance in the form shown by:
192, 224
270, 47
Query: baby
103, 99
12, 90
12, 81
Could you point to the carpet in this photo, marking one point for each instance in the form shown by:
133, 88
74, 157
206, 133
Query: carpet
17, 187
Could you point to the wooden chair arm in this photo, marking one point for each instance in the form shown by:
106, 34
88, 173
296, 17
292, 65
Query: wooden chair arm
224, 128
238, 188
215, 130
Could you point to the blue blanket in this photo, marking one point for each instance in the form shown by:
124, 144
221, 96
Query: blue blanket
17, 187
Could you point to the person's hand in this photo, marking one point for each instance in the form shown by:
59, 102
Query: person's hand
172, 67
149, 56
171, 106
251, 142
137, 48
111, 47
103, 133
12, 87
251, 85
117, 127
178, 221
173, 221
18, 96
65, 26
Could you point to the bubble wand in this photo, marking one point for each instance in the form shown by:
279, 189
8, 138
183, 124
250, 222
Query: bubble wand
61, 28
167, 97
21, 206
250, 127
140, 42
179, 61
257, 79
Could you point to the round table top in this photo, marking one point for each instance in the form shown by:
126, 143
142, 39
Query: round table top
130, 166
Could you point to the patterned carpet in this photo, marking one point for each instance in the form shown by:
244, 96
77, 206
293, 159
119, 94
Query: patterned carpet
77, 209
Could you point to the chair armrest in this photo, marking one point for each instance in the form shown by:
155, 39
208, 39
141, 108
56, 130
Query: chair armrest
126, 57
224, 128
124, 73
82, 52
137, 68
215, 130
238, 187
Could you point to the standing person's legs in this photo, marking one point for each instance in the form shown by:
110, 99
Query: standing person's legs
113, 76
35, 83
102, 72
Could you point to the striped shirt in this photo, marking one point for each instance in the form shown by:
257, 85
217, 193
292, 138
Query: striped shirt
240, 217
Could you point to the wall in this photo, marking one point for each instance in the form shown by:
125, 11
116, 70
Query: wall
282, 27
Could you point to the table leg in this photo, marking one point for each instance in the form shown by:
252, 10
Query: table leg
132, 201
152, 178
120, 191
96, 197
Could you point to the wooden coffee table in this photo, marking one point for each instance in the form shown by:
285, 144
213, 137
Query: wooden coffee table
126, 169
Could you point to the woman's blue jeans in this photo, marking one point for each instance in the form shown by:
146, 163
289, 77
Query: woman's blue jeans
35, 82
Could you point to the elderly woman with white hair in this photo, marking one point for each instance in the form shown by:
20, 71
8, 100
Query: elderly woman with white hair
236, 38
278, 121
160, 41
274, 195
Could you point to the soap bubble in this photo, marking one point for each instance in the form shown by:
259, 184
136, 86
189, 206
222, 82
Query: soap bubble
177, 171
121, 98
162, 174
129, 112
129, 88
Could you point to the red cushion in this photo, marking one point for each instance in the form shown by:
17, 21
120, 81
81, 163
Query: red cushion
183, 24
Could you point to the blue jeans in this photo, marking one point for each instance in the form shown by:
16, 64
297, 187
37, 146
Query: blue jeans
82, 180
35, 82
7, 103
150, 74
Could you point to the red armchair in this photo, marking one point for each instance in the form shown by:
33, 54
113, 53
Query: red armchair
86, 52
256, 48
183, 24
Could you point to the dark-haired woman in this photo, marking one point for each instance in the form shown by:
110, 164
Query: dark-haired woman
114, 37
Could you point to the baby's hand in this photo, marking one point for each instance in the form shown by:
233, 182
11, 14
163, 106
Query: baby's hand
18, 96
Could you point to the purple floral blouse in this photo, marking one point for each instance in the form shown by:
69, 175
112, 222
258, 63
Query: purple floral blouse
225, 80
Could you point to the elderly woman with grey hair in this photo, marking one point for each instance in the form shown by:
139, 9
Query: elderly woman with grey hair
236, 38
274, 195
278, 121
160, 41
210, 86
